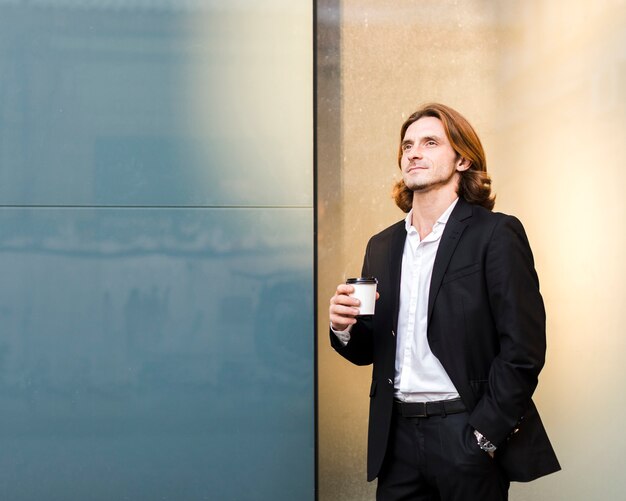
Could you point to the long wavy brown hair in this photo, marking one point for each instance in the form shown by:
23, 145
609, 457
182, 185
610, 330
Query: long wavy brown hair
475, 183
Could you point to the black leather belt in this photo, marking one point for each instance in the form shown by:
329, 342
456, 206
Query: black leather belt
427, 409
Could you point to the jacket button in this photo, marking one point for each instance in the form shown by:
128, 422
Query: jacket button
389, 381
393, 333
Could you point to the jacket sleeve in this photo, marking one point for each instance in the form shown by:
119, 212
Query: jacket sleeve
359, 349
519, 316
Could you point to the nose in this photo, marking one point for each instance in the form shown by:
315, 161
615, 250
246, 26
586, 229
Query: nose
413, 152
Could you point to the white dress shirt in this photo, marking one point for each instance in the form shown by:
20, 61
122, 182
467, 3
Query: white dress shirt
419, 376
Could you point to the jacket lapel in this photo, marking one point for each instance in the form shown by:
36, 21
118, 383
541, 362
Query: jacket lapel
396, 248
449, 240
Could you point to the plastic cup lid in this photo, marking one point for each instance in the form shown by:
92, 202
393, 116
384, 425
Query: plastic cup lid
362, 280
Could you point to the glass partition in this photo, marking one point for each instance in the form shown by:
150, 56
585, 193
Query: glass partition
156, 206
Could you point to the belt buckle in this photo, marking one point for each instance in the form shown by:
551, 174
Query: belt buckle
423, 413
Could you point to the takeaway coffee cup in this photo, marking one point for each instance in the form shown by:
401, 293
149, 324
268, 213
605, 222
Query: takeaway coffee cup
364, 291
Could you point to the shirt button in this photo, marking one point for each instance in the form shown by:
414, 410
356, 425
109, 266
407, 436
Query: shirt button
389, 381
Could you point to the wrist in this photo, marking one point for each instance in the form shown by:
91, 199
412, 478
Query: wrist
484, 443
339, 328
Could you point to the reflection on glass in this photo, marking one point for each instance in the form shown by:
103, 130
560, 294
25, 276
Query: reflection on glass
145, 341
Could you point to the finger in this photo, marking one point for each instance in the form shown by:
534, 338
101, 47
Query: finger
377, 296
345, 289
340, 320
343, 311
344, 300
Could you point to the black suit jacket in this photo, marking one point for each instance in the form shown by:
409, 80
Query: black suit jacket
486, 325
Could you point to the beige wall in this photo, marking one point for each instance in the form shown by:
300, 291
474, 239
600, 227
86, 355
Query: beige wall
544, 83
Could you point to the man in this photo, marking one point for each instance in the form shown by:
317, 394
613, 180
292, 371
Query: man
458, 337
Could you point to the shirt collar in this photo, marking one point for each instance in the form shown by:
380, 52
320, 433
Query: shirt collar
441, 220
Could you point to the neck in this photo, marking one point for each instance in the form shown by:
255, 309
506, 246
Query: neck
428, 206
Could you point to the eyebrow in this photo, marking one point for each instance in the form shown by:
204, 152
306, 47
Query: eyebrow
432, 136
424, 138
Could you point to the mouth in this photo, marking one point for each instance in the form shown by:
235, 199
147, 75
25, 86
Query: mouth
414, 168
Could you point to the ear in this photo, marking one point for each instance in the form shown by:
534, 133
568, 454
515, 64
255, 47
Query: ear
462, 164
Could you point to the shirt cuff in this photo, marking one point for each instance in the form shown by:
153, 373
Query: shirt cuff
343, 336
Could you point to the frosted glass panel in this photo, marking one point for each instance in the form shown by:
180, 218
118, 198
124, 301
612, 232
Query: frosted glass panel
149, 354
150, 103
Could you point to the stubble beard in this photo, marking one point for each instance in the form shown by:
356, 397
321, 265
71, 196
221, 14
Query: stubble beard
425, 186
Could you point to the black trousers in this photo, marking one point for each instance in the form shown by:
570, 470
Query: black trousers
437, 459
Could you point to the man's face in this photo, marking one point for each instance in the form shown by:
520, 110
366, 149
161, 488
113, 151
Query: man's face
428, 160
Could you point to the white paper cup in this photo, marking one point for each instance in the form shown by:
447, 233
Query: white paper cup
364, 291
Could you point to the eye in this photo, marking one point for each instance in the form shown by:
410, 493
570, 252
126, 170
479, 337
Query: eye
406, 146
431, 142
